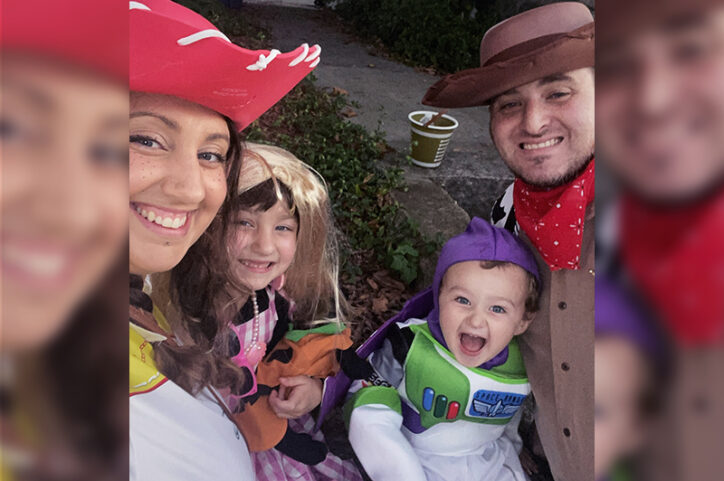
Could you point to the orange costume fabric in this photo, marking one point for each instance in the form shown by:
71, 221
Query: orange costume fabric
312, 355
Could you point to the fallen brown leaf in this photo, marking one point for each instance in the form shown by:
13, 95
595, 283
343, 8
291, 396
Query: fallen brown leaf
348, 112
379, 304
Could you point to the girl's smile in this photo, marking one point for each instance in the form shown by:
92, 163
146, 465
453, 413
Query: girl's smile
266, 242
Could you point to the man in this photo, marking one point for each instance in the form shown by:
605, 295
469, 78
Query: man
536, 77
661, 117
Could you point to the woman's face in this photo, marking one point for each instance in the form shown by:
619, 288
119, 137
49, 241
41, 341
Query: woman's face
177, 178
64, 187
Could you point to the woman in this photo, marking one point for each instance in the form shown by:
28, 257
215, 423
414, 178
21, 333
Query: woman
191, 90
63, 127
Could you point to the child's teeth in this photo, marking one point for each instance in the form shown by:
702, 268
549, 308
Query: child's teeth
167, 222
176, 223
158, 220
151, 216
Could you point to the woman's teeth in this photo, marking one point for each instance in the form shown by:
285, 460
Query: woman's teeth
541, 145
42, 264
169, 222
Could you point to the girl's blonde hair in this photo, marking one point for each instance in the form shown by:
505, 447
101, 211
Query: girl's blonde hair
312, 279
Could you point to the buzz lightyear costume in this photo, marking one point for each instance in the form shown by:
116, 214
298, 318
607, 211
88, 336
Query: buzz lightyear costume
418, 414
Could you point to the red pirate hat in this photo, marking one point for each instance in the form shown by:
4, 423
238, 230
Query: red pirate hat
175, 51
87, 33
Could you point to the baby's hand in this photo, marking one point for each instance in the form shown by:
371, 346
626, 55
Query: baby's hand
297, 395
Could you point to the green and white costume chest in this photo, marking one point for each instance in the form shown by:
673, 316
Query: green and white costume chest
442, 390
448, 409
463, 409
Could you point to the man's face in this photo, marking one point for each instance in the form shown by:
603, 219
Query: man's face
660, 107
544, 130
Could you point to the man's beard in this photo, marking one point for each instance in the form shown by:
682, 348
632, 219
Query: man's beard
576, 169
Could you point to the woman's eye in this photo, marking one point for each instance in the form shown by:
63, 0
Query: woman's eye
285, 228
145, 141
498, 309
9, 130
690, 51
462, 300
211, 157
108, 155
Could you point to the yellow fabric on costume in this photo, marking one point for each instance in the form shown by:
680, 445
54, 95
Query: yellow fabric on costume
144, 375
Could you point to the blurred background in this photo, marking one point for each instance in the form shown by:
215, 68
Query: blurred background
63, 239
660, 240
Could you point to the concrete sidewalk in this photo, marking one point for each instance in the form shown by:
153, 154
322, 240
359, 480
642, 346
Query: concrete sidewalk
387, 91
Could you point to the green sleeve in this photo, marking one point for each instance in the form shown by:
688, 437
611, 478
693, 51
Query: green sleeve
386, 396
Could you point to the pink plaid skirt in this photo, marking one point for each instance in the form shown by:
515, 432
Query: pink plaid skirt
272, 465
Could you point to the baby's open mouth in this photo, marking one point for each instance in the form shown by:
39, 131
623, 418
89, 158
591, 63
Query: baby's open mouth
471, 344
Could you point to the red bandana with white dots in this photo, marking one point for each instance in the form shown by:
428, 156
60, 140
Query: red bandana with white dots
553, 218
676, 257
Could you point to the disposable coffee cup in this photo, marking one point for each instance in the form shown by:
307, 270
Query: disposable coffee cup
428, 144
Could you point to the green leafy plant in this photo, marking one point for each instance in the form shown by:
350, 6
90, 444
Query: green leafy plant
443, 34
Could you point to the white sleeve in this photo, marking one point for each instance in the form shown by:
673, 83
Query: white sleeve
385, 453
511, 431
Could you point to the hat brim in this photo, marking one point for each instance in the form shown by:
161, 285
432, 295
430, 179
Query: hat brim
96, 40
239, 83
478, 86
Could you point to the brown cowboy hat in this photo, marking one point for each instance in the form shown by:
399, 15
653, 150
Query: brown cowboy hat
531, 45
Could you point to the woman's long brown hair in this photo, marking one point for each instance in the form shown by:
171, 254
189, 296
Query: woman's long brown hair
186, 297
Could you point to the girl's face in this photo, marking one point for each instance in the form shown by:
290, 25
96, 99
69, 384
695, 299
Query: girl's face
177, 178
64, 163
264, 246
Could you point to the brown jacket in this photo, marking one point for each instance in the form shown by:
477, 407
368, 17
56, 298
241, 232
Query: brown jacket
558, 353
687, 438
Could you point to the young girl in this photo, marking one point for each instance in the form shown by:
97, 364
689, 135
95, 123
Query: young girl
282, 250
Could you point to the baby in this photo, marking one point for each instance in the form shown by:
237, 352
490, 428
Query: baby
629, 378
441, 397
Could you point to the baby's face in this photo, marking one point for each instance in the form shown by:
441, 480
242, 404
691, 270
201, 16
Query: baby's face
619, 379
481, 310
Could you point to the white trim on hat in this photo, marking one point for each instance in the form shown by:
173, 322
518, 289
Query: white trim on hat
203, 34
137, 6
